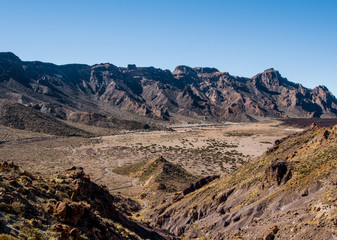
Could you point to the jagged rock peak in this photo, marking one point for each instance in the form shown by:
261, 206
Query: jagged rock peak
269, 77
186, 70
151, 92
205, 70
322, 87
323, 93
104, 65
9, 56
271, 72
183, 70
131, 67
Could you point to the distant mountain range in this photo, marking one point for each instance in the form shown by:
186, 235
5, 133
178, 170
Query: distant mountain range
198, 93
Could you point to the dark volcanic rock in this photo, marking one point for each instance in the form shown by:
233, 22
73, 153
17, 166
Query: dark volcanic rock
203, 93
278, 172
199, 184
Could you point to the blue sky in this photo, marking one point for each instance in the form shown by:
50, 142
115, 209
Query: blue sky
242, 37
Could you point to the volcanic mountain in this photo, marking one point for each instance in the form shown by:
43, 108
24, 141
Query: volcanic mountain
199, 93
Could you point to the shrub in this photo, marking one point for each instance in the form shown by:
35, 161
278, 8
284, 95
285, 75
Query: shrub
7, 237
5, 207
18, 207
31, 234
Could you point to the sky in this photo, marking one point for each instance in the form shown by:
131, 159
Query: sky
242, 37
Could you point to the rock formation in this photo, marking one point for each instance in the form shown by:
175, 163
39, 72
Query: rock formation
201, 93
67, 206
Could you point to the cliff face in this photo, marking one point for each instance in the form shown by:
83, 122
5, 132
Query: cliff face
203, 93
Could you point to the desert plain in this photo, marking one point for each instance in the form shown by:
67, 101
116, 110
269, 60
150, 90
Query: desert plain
202, 149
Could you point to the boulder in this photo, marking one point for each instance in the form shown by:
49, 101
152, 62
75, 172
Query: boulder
70, 213
278, 172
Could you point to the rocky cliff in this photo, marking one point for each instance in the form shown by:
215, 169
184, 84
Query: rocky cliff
201, 93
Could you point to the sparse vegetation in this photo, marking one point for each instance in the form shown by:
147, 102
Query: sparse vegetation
7, 237
31, 234
239, 134
51, 213
310, 156
311, 160
163, 174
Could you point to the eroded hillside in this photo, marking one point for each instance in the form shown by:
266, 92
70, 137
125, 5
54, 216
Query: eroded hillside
288, 193
67, 206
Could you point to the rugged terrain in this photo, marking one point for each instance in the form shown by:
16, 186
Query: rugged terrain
88, 93
66, 206
18, 116
194, 176
159, 174
288, 193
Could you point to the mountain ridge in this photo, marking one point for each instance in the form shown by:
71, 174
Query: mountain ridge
202, 93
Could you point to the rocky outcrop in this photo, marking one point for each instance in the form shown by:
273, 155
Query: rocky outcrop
222, 197
72, 213
67, 206
199, 184
160, 174
5, 166
278, 172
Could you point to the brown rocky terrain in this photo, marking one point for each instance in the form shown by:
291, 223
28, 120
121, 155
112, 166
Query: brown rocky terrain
21, 117
288, 193
159, 174
67, 206
100, 120
192, 93
189, 181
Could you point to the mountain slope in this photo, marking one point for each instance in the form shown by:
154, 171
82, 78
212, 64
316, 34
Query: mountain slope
201, 93
67, 206
288, 193
159, 174
21, 117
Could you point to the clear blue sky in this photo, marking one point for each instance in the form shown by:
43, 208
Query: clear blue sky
242, 37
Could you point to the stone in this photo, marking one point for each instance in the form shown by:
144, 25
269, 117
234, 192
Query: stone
69, 213
269, 236
278, 172
74, 234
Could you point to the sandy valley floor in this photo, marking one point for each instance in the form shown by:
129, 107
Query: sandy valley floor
200, 149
